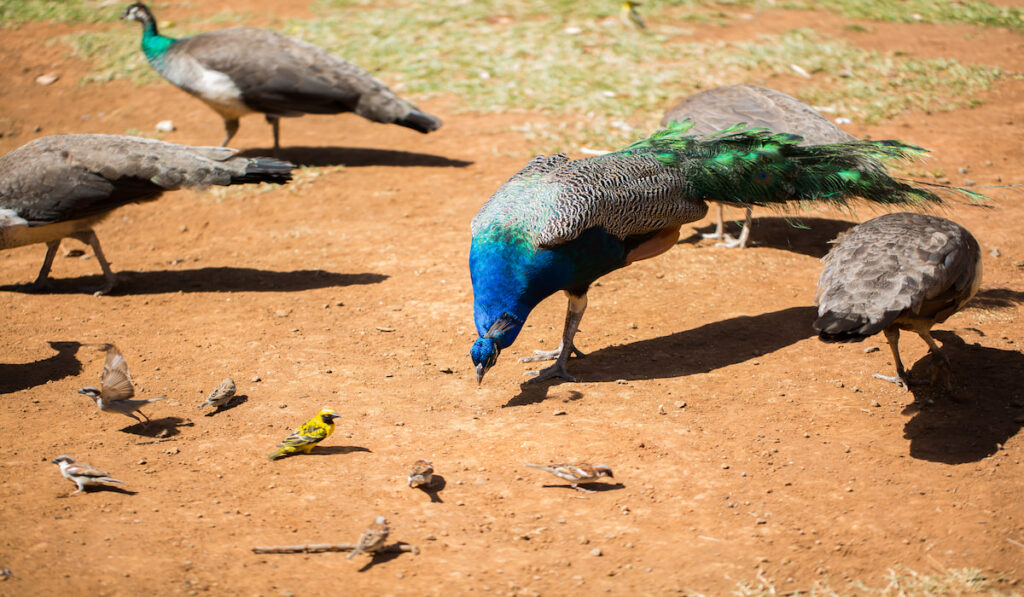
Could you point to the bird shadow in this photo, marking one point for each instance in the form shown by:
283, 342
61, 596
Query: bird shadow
437, 483
806, 236
382, 557
102, 488
355, 157
985, 411
332, 450
592, 487
21, 376
236, 401
699, 350
996, 298
158, 428
212, 279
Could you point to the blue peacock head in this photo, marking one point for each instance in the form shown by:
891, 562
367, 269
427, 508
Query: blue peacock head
486, 348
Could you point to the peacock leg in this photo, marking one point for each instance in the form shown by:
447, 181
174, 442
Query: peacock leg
577, 305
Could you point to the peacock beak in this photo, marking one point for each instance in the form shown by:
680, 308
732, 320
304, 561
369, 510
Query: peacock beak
481, 369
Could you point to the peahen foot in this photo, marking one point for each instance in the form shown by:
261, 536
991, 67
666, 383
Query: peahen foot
551, 355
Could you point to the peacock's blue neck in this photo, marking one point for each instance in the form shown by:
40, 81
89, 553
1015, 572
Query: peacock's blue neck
154, 45
512, 277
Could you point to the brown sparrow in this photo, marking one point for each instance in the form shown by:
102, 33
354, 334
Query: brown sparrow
577, 473
422, 473
220, 395
372, 538
116, 388
82, 474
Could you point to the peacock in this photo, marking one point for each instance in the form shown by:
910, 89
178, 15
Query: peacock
244, 70
62, 185
560, 224
720, 107
898, 271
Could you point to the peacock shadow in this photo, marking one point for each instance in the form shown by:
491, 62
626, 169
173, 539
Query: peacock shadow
211, 279
986, 409
996, 298
21, 376
355, 157
700, 350
806, 236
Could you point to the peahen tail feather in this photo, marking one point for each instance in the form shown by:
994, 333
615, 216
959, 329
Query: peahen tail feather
752, 166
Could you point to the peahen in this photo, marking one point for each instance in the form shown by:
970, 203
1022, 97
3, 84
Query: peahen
560, 224
243, 70
62, 185
720, 107
898, 271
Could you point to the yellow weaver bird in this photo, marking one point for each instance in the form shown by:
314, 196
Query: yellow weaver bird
631, 16
309, 434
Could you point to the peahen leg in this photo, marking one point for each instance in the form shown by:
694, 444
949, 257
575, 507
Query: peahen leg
89, 237
941, 363
741, 242
230, 128
577, 305
892, 334
43, 279
275, 122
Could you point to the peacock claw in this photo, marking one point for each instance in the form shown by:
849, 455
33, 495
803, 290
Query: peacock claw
555, 371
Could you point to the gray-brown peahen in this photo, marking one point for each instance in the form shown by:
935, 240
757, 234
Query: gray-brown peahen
717, 108
898, 271
61, 186
243, 70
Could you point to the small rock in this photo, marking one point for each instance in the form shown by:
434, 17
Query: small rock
875, 403
679, 404
969, 182
870, 349
165, 126
72, 253
661, 409
962, 170
255, 379
558, 413
944, 181
596, 552
621, 382
381, 329
995, 252
47, 79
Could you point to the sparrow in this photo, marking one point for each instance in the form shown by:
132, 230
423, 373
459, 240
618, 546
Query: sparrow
82, 474
422, 473
116, 388
577, 473
220, 395
309, 434
372, 538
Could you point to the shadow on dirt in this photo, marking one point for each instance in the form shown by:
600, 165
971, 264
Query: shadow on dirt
689, 352
331, 450
237, 400
806, 236
354, 157
381, 557
213, 279
158, 429
996, 298
21, 376
986, 410
100, 489
437, 483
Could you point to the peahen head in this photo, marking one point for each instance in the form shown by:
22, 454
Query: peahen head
139, 12
486, 348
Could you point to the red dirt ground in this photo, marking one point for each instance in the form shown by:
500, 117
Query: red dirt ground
789, 465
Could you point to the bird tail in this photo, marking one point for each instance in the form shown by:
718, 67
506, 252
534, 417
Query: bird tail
112, 480
280, 453
540, 466
157, 399
265, 170
837, 327
419, 121
745, 166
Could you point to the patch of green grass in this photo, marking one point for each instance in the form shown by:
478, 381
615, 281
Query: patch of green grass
899, 582
982, 14
115, 54
17, 12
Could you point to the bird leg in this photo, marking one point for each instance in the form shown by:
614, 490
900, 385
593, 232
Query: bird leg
43, 279
719, 232
230, 127
741, 242
573, 315
89, 237
892, 334
941, 362
275, 122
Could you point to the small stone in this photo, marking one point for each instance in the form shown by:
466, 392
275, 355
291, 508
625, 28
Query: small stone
661, 409
382, 329
870, 349
995, 252
558, 413
621, 382
47, 79
679, 404
165, 126
968, 182
944, 181
962, 170
875, 403
143, 461
255, 379
596, 552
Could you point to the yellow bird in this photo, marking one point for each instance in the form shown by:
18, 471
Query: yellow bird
631, 16
309, 434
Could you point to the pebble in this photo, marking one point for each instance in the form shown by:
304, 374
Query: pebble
870, 349
962, 170
165, 126
995, 252
558, 413
255, 379
596, 552
47, 79
969, 182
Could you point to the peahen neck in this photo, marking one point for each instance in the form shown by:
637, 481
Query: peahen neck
154, 45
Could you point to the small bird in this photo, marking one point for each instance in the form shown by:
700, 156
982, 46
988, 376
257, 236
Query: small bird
422, 473
62, 185
82, 474
631, 16
116, 388
243, 70
904, 271
309, 434
577, 473
560, 224
220, 395
372, 538
719, 107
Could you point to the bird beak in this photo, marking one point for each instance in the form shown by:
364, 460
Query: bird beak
480, 370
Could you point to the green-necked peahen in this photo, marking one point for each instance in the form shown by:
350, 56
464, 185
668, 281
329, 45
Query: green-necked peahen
243, 70
715, 109
898, 271
60, 186
560, 224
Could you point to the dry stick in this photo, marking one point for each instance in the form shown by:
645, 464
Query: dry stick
325, 547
